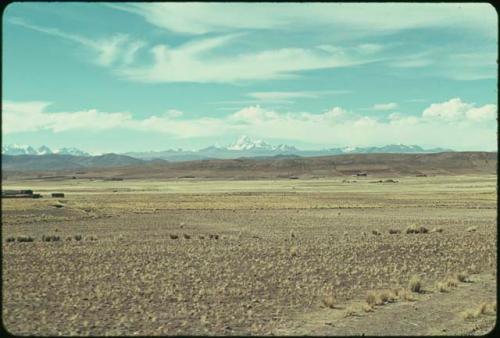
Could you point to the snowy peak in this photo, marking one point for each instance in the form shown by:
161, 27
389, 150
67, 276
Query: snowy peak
247, 143
21, 149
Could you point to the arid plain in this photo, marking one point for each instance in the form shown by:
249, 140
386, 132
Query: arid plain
344, 255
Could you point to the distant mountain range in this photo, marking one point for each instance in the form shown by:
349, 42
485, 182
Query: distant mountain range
18, 149
243, 147
247, 147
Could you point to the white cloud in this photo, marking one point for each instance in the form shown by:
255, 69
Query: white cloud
453, 124
455, 109
118, 48
364, 18
196, 61
286, 96
385, 106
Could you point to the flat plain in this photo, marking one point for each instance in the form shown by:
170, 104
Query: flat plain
284, 257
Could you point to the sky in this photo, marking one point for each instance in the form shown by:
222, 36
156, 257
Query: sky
118, 77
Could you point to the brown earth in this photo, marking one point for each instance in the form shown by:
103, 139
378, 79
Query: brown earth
147, 265
450, 163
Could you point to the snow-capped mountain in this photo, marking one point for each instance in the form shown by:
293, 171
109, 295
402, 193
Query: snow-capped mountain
245, 146
247, 143
21, 149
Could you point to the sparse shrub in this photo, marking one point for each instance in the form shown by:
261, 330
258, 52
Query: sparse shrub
201, 237
394, 231
451, 282
473, 269
213, 236
415, 284
371, 298
10, 239
68, 239
172, 236
462, 277
367, 308
78, 237
376, 232
350, 311
471, 229
405, 295
25, 239
415, 229
469, 314
52, 238
442, 287
186, 236
329, 301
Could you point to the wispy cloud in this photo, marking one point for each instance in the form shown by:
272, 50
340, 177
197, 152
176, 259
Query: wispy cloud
288, 95
385, 106
453, 118
118, 48
366, 19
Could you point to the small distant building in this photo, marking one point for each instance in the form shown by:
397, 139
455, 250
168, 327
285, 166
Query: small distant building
17, 194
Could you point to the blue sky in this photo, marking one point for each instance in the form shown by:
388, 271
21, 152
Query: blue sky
123, 77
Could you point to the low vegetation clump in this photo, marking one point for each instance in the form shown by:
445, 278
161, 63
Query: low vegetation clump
415, 229
462, 277
394, 231
442, 287
51, 238
471, 229
439, 230
186, 236
91, 238
329, 300
376, 232
10, 239
294, 250
371, 298
415, 284
23, 239
172, 236
78, 237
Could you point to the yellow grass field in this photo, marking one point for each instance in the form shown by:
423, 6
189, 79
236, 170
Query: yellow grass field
286, 257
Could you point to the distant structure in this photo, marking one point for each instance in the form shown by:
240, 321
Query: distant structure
19, 194
362, 174
58, 194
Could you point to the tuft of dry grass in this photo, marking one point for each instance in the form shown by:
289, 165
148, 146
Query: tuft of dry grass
415, 284
351, 311
78, 237
451, 282
469, 314
24, 239
186, 236
462, 277
294, 250
329, 301
172, 236
442, 287
371, 298
473, 269
471, 229
51, 238
394, 231
376, 232
439, 229
415, 229
10, 239
367, 308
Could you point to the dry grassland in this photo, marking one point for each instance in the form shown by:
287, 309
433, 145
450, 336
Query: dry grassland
239, 257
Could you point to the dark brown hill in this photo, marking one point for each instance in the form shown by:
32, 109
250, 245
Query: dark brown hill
448, 163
